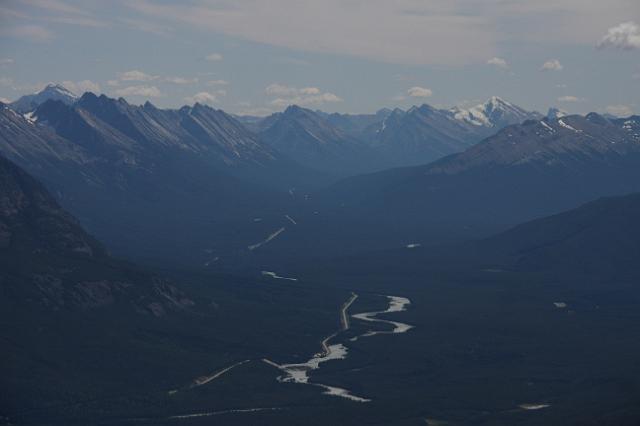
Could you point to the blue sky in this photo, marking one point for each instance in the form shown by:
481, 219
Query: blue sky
257, 56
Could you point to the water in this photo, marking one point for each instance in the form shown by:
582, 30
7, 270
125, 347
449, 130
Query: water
299, 373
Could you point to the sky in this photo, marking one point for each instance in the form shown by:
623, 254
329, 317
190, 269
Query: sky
257, 57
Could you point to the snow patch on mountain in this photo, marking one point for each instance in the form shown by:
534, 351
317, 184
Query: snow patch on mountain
495, 112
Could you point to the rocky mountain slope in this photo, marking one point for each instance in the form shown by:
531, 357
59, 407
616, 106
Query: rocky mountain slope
347, 144
152, 183
311, 140
598, 238
49, 261
524, 172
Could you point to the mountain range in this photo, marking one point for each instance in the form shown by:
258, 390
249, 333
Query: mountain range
197, 185
523, 172
145, 180
347, 144
333, 144
519, 240
310, 139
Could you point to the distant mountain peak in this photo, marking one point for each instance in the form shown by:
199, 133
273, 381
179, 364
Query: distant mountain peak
426, 108
295, 109
495, 113
57, 88
88, 96
51, 91
497, 103
555, 113
384, 111
92, 101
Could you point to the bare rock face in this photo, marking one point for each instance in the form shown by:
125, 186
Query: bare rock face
47, 259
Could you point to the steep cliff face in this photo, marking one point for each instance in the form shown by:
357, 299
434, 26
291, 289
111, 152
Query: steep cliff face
48, 260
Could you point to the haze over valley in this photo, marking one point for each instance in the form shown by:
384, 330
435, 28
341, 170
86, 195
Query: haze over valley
224, 216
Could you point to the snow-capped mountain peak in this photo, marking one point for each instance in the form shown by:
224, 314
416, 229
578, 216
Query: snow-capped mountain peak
495, 112
51, 91
555, 113
54, 88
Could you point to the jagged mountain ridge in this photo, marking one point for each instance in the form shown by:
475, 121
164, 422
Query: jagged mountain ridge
389, 138
419, 136
151, 182
525, 171
309, 138
338, 144
494, 113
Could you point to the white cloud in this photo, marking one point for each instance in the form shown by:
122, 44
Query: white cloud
145, 91
310, 91
280, 90
569, 98
623, 36
79, 87
248, 108
288, 95
552, 65
400, 31
202, 98
214, 57
419, 92
619, 110
217, 83
404, 31
306, 100
181, 80
136, 75
498, 62
6, 61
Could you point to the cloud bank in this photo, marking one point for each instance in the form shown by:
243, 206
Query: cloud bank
552, 65
306, 96
434, 32
624, 36
419, 92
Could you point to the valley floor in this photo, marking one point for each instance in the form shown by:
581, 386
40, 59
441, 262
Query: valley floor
486, 347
